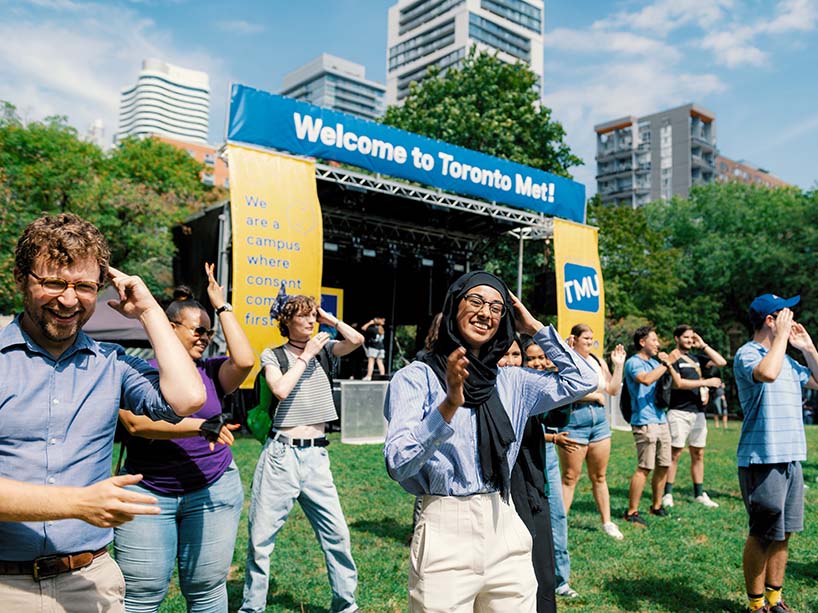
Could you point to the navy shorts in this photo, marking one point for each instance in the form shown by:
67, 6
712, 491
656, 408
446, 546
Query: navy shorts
587, 423
774, 498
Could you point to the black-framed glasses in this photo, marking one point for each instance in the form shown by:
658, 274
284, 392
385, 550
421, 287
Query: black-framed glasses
198, 330
476, 302
55, 286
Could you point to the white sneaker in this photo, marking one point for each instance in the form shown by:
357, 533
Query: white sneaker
612, 530
704, 499
667, 500
566, 592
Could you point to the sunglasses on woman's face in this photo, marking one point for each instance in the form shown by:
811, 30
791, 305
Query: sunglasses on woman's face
198, 331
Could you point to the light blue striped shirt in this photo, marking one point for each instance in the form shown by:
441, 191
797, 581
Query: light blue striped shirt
57, 422
428, 456
773, 428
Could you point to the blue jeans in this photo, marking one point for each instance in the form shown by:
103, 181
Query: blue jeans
198, 529
283, 475
559, 520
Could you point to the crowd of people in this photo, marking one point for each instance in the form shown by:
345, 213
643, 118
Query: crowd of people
488, 428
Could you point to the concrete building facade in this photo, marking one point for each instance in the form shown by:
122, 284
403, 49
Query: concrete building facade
425, 33
166, 100
641, 159
338, 84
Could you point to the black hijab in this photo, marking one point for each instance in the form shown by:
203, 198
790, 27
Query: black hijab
494, 430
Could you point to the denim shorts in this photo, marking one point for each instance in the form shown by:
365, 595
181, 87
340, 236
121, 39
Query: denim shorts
587, 423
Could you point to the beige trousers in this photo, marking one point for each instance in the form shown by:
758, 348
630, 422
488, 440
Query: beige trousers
95, 588
470, 553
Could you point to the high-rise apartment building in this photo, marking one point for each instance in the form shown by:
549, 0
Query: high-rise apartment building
743, 171
425, 33
336, 83
166, 100
640, 159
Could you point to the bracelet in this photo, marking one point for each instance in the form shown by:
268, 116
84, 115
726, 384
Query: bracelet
303, 360
337, 321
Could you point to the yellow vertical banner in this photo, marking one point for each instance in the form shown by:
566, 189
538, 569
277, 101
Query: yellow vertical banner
277, 237
580, 293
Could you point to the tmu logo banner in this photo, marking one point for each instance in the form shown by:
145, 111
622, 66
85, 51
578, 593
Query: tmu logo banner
581, 286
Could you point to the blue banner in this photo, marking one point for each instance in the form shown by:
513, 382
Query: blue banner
268, 120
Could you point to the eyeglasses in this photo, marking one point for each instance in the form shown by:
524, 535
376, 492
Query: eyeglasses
476, 302
55, 286
198, 331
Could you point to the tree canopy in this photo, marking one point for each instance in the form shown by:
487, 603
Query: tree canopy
134, 194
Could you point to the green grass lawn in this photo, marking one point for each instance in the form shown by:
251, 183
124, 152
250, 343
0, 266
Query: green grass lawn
688, 562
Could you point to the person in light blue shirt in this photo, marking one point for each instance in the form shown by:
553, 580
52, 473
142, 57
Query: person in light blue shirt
60, 394
772, 443
648, 423
455, 425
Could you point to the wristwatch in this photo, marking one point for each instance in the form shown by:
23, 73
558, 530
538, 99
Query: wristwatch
225, 307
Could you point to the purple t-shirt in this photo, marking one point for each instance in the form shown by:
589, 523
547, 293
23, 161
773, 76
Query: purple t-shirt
183, 465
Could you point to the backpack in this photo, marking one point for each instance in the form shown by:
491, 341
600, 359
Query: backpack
260, 417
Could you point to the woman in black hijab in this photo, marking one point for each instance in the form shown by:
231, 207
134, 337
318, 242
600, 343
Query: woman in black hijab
455, 422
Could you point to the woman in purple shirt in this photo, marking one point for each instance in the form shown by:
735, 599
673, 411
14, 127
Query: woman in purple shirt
194, 478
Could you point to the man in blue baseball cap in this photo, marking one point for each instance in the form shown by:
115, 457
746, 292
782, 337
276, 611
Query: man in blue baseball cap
772, 444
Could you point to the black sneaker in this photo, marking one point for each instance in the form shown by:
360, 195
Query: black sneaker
635, 518
780, 607
763, 609
661, 512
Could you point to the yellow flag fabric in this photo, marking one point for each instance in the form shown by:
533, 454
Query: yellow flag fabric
580, 292
277, 237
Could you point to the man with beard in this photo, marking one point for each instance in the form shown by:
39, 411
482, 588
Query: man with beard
685, 415
60, 395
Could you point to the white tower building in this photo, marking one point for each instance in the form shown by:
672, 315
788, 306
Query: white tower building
423, 33
166, 100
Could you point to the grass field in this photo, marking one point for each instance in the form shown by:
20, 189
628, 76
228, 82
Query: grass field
688, 562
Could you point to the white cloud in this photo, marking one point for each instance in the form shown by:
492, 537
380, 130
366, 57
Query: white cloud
733, 49
664, 16
793, 16
76, 60
238, 26
598, 41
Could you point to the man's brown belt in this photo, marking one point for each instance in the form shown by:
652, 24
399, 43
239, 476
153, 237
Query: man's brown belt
51, 566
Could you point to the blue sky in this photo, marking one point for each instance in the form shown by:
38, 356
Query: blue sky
752, 62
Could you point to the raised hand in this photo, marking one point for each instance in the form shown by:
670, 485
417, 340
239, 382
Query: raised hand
107, 504
618, 355
456, 375
799, 337
783, 322
523, 320
326, 318
698, 341
134, 296
215, 292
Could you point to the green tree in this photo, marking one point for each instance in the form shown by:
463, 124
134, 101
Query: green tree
639, 267
738, 241
134, 195
488, 105
158, 165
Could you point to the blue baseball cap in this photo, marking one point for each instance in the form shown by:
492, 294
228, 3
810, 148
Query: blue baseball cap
767, 304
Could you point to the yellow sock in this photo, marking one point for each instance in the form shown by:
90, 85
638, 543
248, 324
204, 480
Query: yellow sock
755, 601
773, 595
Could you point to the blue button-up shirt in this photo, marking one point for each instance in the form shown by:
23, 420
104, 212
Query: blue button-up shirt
773, 428
429, 456
57, 422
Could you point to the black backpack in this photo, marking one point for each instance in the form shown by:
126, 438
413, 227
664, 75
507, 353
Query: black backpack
661, 395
